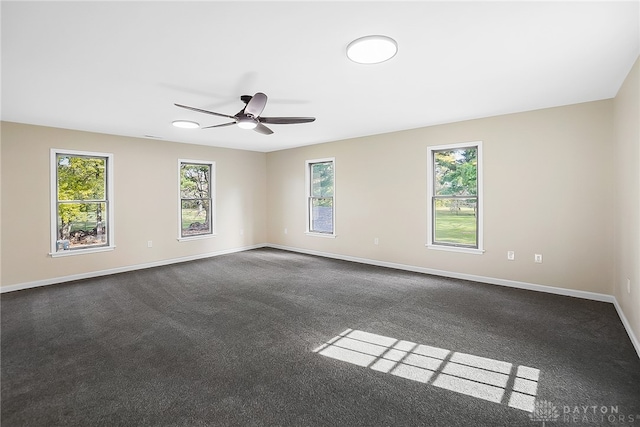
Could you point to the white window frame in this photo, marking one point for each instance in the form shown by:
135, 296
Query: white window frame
430, 193
308, 164
212, 189
53, 180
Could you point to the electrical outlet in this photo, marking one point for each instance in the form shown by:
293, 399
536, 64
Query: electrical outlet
285, 231
149, 243
511, 255
538, 258
375, 241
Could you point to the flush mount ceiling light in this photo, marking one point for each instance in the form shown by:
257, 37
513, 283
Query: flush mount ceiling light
186, 124
372, 49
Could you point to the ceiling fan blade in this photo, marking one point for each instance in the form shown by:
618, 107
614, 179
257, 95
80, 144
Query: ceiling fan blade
263, 129
256, 104
199, 110
219, 126
286, 120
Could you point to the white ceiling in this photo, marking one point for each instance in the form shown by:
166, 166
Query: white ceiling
118, 67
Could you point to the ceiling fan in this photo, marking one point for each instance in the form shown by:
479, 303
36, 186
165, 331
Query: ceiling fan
249, 116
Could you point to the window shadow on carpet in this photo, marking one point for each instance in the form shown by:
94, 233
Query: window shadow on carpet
488, 379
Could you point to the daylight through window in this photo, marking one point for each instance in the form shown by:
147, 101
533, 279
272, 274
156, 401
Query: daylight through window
320, 196
81, 201
196, 200
454, 196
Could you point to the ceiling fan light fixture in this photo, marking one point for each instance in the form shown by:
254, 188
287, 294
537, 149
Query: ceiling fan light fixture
372, 49
247, 123
186, 124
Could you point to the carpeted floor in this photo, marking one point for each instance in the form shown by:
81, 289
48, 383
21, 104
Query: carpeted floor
242, 340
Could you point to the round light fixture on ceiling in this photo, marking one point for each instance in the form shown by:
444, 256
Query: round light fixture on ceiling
247, 123
372, 49
186, 124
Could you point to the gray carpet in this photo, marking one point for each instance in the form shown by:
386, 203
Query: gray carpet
230, 341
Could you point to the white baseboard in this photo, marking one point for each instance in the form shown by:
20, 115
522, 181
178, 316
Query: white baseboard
627, 326
490, 280
88, 275
503, 282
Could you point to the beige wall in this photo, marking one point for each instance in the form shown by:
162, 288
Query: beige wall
627, 208
548, 189
145, 193
563, 182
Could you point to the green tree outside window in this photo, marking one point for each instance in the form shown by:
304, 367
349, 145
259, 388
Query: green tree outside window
81, 184
195, 199
455, 197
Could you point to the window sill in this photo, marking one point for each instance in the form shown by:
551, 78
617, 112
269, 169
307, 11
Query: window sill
325, 235
200, 237
81, 251
455, 249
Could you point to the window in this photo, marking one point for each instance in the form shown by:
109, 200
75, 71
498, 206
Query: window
81, 202
320, 197
196, 198
455, 200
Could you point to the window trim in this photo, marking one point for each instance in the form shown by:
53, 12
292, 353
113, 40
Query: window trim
212, 190
480, 197
53, 199
308, 231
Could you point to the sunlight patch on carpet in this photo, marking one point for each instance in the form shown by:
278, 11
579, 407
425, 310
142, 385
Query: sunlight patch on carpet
488, 379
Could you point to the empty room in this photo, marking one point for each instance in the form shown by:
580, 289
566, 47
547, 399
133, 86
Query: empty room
307, 213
